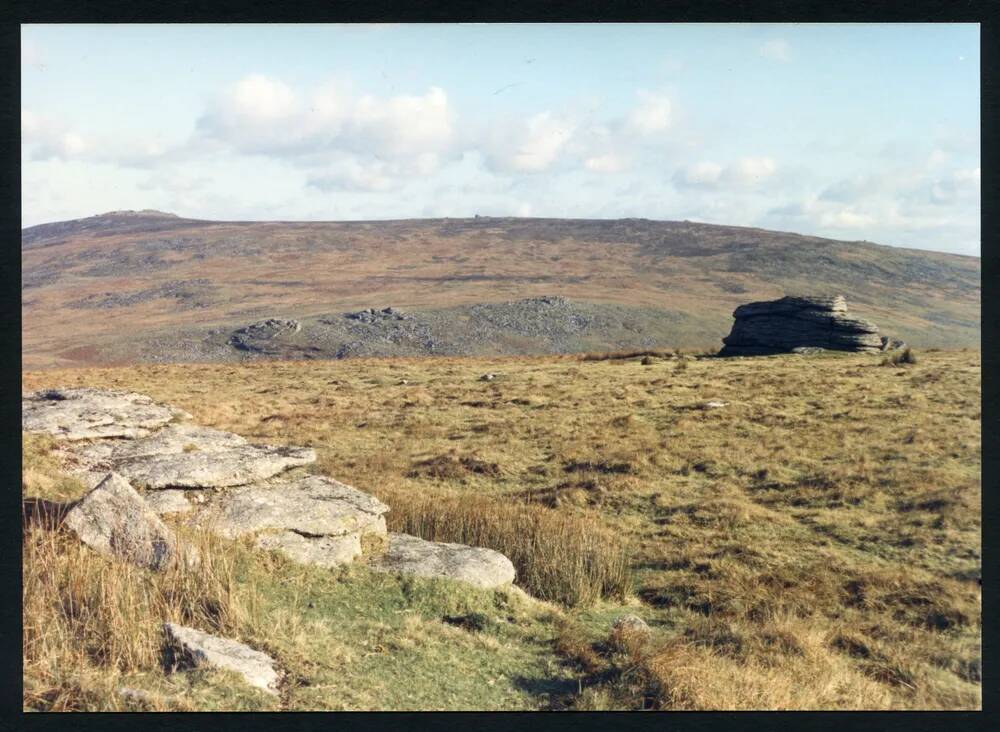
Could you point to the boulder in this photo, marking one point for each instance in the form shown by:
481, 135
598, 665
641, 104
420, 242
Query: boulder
630, 624
113, 519
478, 566
193, 648
80, 414
782, 326
314, 520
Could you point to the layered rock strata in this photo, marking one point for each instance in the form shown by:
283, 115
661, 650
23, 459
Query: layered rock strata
782, 326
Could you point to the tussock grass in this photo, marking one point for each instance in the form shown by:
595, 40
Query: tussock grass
558, 557
906, 356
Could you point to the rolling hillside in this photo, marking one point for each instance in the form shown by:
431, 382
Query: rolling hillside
149, 286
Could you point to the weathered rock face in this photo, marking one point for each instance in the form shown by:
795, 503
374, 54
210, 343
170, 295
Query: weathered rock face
476, 565
80, 414
113, 519
167, 502
194, 648
186, 456
779, 326
314, 505
224, 468
314, 520
174, 439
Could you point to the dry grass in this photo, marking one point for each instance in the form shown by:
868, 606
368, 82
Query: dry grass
815, 543
90, 620
558, 557
906, 356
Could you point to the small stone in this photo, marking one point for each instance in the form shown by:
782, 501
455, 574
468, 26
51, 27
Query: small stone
714, 404
113, 519
631, 623
193, 648
629, 631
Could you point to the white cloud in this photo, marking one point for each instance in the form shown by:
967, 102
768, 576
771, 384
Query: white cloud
961, 184
262, 115
776, 49
846, 219
700, 175
747, 172
49, 139
607, 163
530, 146
750, 171
652, 114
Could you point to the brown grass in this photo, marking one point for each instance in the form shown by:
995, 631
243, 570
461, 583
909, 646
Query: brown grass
815, 543
558, 557
89, 620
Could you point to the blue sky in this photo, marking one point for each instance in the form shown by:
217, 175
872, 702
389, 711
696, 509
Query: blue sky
847, 131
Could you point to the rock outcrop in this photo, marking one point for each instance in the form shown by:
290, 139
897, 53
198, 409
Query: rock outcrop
189, 456
255, 337
475, 565
781, 326
193, 648
81, 414
225, 468
113, 519
227, 486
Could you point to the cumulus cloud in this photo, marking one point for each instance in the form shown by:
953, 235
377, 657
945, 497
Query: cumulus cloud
776, 49
50, 139
962, 184
531, 146
386, 136
747, 172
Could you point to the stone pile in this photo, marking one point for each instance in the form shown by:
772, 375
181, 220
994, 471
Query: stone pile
120, 441
799, 324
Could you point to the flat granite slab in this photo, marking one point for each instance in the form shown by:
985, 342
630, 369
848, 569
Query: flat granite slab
81, 414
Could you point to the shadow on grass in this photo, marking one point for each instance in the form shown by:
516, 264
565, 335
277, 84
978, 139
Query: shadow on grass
44, 514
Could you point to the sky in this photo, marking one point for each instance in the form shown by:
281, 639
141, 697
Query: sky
854, 132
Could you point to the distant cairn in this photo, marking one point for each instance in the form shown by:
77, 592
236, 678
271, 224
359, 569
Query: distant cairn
799, 324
